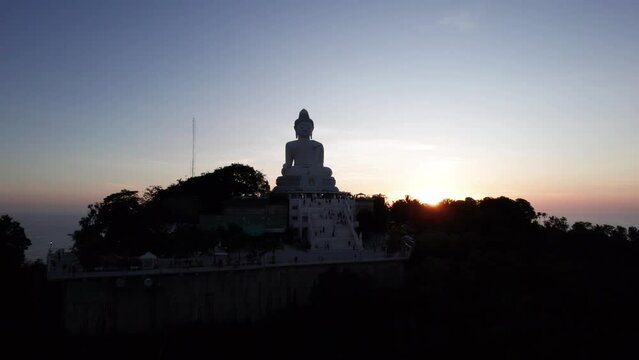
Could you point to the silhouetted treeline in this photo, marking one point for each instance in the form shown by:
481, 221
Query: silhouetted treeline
495, 277
493, 274
13, 243
23, 304
486, 277
491, 219
163, 221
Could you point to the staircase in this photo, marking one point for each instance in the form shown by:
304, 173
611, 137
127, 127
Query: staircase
330, 225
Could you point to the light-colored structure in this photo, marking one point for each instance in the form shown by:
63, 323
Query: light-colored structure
304, 170
322, 215
326, 221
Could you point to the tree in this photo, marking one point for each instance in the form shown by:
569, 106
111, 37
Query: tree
457, 216
112, 227
239, 180
380, 213
163, 221
375, 220
605, 230
184, 200
620, 233
13, 243
542, 216
581, 227
407, 211
557, 223
505, 216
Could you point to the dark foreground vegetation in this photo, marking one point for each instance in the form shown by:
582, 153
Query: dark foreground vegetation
486, 277
164, 220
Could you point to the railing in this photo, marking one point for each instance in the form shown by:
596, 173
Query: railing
237, 261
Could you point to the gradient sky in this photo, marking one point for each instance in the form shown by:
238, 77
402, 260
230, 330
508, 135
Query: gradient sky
433, 99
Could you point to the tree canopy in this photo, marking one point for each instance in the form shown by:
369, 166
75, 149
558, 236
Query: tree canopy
111, 228
13, 243
125, 224
493, 216
184, 200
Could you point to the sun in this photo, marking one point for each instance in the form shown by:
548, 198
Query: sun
430, 195
432, 183
434, 196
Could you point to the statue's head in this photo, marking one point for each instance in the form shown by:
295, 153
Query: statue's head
304, 125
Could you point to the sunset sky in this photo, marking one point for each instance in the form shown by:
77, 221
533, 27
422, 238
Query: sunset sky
434, 99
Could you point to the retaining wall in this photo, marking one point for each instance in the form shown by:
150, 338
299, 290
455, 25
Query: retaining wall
147, 303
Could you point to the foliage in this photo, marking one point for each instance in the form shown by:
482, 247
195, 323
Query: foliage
111, 228
375, 221
380, 213
13, 243
497, 217
490, 275
486, 277
162, 221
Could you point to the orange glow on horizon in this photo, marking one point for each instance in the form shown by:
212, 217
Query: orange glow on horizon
433, 196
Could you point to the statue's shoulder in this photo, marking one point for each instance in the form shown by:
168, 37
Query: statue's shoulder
316, 143
291, 143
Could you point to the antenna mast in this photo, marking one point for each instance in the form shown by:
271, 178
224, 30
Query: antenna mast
193, 151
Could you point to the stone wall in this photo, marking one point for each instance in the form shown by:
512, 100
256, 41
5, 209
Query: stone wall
135, 304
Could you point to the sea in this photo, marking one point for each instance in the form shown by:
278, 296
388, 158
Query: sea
47, 230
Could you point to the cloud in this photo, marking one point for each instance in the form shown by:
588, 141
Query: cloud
462, 21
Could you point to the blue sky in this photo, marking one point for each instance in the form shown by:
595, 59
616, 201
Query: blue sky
433, 99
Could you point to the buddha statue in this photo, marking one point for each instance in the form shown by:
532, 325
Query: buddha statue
305, 156
304, 169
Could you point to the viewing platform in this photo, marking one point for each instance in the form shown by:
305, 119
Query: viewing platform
70, 269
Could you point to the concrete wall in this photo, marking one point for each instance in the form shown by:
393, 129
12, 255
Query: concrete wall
129, 305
